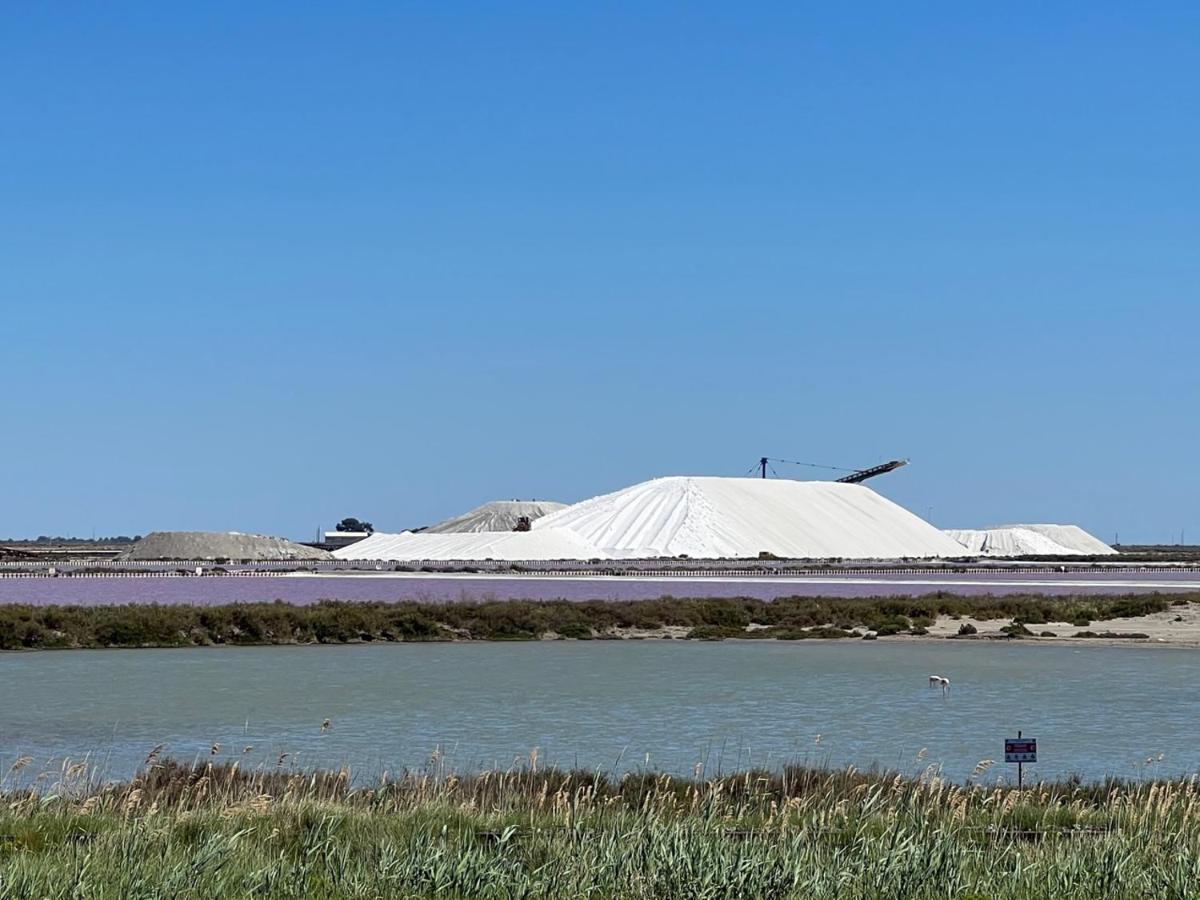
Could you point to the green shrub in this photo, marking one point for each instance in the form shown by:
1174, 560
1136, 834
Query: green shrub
331, 621
892, 625
715, 633
576, 630
800, 634
1016, 629
1127, 635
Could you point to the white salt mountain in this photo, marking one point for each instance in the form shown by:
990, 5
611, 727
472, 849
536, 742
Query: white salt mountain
1031, 540
211, 545
1007, 542
1073, 538
697, 517
728, 518
411, 546
499, 515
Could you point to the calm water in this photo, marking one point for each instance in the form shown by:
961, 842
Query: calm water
424, 588
612, 705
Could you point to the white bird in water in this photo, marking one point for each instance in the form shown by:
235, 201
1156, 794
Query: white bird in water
940, 680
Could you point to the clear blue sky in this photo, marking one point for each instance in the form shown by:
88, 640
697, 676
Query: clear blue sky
266, 265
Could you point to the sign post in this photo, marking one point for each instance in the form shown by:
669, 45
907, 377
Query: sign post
1020, 750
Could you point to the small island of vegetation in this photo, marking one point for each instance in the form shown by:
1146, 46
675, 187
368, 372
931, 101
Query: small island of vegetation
342, 622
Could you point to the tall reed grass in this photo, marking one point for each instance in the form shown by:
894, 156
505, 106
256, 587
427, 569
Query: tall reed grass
217, 831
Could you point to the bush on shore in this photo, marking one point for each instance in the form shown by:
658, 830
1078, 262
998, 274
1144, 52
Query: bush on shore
338, 622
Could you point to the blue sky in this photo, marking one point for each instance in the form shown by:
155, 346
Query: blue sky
263, 266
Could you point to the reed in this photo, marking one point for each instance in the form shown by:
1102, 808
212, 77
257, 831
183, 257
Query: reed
216, 830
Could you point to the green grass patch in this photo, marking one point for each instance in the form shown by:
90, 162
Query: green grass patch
217, 832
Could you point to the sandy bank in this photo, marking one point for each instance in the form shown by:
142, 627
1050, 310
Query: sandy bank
1178, 626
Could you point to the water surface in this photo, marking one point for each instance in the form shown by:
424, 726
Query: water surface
611, 705
392, 587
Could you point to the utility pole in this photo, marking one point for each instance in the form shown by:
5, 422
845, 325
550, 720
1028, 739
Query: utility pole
763, 465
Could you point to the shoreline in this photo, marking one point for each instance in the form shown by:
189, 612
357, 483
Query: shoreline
989, 632
1156, 620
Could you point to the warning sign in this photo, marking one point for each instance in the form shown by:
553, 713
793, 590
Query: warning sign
1020, 750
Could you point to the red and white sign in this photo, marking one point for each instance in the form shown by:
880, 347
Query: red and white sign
1020, 750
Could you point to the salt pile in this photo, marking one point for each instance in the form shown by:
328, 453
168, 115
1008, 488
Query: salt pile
720, 518
698, 517
499, 515
546, 544
1007, 542
1031, 540
1074, 538
230, 545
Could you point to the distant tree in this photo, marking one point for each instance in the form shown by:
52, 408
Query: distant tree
352, 524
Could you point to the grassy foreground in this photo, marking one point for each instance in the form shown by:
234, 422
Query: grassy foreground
216, 832
334, 622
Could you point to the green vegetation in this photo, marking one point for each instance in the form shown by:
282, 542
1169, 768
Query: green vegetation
1109, 635
1016, 629
215, 832
336, 622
